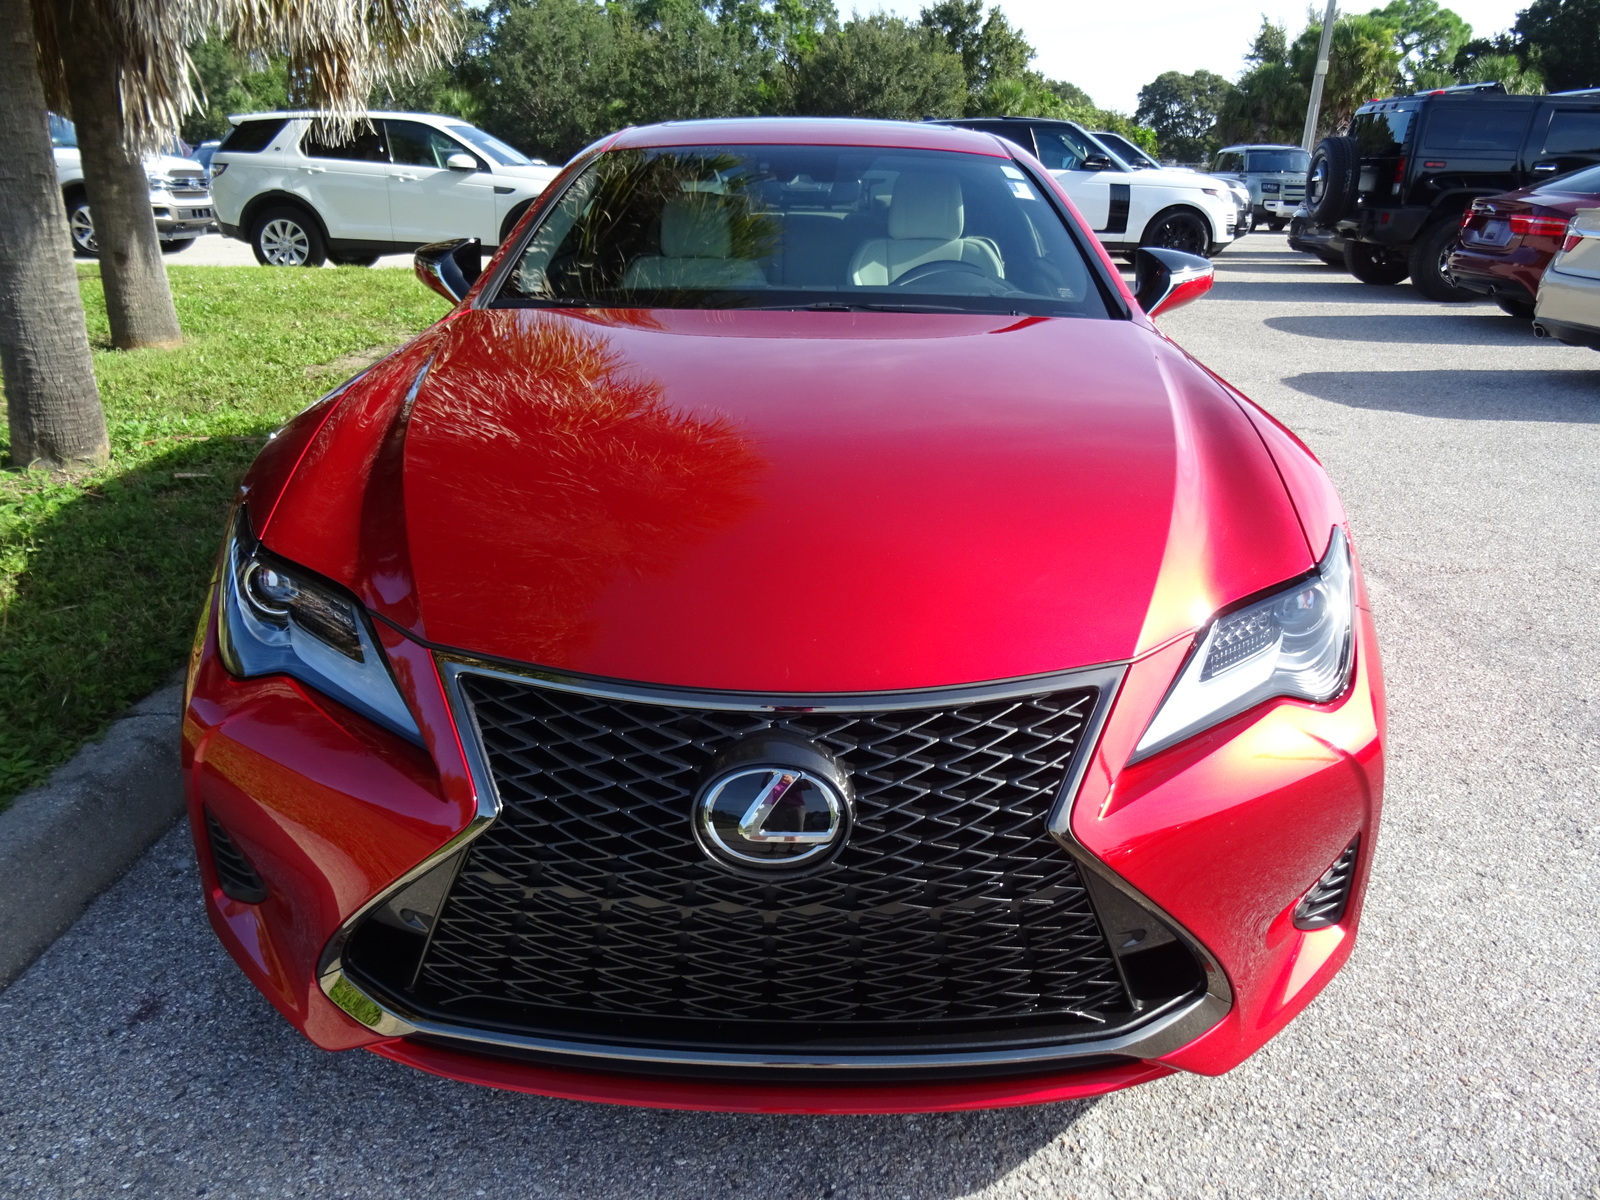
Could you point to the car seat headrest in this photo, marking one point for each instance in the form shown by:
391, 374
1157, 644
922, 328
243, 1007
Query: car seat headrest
926, 205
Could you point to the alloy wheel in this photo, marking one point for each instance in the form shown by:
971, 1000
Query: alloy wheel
82, 226
1180, 232
285, 243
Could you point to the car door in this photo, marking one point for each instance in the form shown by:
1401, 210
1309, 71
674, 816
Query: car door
1564, 139
1063, 153
346, 178
1467, 143
428, 201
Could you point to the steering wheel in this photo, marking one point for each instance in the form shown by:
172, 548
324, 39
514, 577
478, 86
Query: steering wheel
940, 267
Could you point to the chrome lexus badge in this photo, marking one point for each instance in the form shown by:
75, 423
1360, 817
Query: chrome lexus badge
780, 811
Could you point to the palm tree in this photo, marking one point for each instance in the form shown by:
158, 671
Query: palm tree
120, 68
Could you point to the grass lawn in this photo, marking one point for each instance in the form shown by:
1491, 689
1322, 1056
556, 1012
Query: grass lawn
102, 576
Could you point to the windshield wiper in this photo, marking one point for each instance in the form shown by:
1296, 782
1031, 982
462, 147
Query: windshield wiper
863, 306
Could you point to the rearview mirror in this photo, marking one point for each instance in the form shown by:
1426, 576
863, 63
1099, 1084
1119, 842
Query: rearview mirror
1168, 279
461, 162
1097, 162
450, 268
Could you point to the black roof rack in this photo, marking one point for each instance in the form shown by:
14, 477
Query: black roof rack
1457, 89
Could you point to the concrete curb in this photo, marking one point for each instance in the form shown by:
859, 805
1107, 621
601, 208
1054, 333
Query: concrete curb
65, 842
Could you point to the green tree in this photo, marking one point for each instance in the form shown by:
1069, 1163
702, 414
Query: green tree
231, 82
1363, 63
1562, 39
682, 63
881, 66
1427, 37
991, 50
1500, 59
1183, 111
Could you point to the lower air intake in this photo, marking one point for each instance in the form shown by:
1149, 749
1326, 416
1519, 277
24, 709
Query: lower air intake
235, 875
1325, 903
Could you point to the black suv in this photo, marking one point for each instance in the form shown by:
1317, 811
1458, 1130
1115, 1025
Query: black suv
1387, 200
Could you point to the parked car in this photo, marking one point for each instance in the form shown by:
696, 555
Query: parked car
1053, 765
1127, 208
1389, 198
1506, 242
180, 197
1567, 307
301, 191
1135, 156
203, 153
1273, 176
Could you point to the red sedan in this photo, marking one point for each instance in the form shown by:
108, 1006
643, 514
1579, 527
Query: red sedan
795, 637
1507, 241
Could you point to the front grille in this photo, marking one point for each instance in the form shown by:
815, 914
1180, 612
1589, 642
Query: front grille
588, 908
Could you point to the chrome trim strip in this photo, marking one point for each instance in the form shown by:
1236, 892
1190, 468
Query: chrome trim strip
1161, 1034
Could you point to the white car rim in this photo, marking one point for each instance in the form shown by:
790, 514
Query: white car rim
83, 230
285, 244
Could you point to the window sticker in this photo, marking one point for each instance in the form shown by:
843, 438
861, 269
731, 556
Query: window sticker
1011, 172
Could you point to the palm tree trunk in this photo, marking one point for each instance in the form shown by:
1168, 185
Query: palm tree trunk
51, 399
138, 299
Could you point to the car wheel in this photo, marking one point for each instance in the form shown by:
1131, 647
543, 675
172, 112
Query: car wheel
1276, 224
1178, 229
176, 246
1333, 179
1512, 307
1430, 264
81, 226
287, 237
353, 260
1381, 265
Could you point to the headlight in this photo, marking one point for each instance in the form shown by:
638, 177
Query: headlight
1269, 186
158, 183
1298, 643
278, 619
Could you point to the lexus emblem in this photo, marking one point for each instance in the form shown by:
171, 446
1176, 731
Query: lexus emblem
772, 815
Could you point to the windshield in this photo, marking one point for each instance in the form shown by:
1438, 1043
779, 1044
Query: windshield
1279, 160
806, 227
1580, 182
62, 131
1127, 151
492, 146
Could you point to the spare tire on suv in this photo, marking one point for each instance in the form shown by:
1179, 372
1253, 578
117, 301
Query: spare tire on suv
1332, 180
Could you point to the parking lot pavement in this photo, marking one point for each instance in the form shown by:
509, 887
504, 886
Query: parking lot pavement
1455, 1055
214, 250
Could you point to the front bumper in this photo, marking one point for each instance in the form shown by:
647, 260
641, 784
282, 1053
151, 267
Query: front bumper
1223, 835
182, 217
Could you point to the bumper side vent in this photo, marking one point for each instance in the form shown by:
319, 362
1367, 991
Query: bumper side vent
236, 876
1325, 903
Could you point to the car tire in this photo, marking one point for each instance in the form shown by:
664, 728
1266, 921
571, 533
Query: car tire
1430, 264
1331, 182
1333, 260
1383, 266
1276, 224
511, 220
81, 226
1178, 228
1513, 307
176, 246
286, 236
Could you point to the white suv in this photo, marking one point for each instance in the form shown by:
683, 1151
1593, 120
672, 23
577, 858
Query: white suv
301, 196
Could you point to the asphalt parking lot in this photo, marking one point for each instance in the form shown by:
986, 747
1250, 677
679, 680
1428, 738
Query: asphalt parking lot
1455, 1056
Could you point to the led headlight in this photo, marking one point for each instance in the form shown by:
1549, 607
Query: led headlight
277, 619
1298, 643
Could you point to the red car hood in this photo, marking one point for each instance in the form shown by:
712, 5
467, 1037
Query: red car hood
789, 502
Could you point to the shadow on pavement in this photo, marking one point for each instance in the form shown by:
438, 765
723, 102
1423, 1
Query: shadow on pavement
1467, 328
135, 1030
1572, 396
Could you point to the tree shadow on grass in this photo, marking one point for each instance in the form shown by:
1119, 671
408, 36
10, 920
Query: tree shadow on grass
106, 604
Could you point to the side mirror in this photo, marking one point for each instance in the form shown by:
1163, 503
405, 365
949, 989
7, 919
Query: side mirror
1167, 279
1097, 162
450, 268
461, 162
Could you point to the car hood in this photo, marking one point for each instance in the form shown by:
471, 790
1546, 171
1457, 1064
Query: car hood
531, 171
787, 502
162, 164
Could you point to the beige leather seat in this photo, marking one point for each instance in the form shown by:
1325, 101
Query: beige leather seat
926, 220
696, 241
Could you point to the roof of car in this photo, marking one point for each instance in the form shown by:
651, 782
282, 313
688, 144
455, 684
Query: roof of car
1259, 146
803, 131
236, 118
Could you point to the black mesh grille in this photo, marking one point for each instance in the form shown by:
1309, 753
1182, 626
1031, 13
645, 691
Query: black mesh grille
589, 906
1325, 903
235, 875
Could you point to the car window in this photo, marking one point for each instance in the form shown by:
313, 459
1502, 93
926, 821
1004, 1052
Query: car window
62, 132
1062, 149
363, 144
1475, 127
1573, 133
1380, 134
413, 144
497, 150
1279, 160
805, 226
252, 137
1578, 182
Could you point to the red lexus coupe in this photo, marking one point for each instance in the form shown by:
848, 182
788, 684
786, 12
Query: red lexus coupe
1507, 241
795, 637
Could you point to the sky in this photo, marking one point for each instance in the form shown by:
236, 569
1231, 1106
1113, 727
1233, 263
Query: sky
1112, 49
